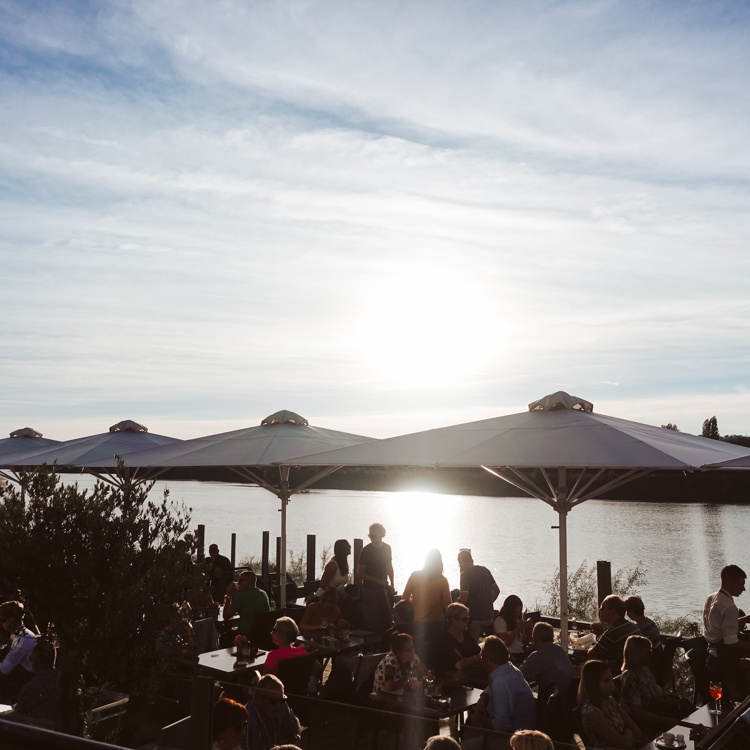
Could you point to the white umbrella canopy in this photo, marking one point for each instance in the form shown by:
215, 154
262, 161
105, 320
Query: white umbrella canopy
742, 462
121, 439
23, 440
251, 453
559, 451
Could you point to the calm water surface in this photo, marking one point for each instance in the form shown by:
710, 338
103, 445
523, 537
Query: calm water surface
680, 547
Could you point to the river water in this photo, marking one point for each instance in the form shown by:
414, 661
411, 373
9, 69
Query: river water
681, 548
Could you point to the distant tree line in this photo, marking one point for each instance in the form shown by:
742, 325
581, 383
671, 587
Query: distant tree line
711, 430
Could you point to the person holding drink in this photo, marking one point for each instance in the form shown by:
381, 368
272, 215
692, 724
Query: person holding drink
401, 669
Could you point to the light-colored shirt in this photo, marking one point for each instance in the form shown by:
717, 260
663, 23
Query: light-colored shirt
22, 643
511, 703
720, 620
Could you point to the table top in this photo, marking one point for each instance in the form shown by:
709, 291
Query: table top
317, 639
461, 699
224, 662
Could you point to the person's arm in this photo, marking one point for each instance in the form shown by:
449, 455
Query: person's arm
466, 661
390, 575
597, 724
494, 591
408, 591
630, 725
229, 610
641, 715
312, 618
508, 636
391, 683
445, 593
328, 573
13, 658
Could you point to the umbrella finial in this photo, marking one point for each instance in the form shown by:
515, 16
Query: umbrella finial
25, 432
128, 425
560, 400
285, 417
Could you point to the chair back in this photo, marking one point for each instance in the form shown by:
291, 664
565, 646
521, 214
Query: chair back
662, 659
260, 631
696, 653
295, 673
205, 632
365, 673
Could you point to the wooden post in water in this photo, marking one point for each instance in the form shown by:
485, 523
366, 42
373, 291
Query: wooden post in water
264, 563
233, 554
200, 541
603, 580
357, 551
310, 558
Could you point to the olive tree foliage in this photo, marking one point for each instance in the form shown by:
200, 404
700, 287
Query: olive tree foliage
96, 564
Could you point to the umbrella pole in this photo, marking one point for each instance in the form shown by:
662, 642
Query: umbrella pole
284, 497
562, 513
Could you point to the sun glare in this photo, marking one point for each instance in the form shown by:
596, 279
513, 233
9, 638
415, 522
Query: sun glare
428, 327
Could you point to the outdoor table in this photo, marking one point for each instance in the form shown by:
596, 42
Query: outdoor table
224, 662
328, 646
416, 704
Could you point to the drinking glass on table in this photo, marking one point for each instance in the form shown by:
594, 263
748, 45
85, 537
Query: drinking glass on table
714, 688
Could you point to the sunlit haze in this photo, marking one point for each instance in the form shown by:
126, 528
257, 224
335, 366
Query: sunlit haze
385, 216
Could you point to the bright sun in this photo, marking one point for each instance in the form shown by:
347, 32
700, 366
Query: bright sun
428, 327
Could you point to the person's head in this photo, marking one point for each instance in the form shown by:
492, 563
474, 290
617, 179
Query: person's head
229, 722
402, 645
341, 551
43, 656
457, 616
285, 632
530, 739
465, 559
213, 550
403, 612
246, 580
511, 611
433, 564
377, 532
269, 695
441, 742
611, 609
636, 653
330, 597
11, 615
543, 633
733, 579
634, 608
494, 653
596, 683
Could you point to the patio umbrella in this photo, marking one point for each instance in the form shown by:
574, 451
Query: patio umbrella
559, 451
21, 441
252, 453
121, 439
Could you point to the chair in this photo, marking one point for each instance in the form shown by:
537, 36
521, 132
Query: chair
364, 676
696, 653
557, 716
205, 632
662, 661
260, 631
295, 673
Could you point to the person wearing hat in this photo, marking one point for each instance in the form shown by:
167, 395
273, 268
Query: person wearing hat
270, 721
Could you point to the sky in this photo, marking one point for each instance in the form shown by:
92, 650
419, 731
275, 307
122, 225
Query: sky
384, 216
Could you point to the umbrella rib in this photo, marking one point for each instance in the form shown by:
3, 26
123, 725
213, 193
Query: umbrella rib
245, 473
522, 483
629, 476
575, 491
320, 475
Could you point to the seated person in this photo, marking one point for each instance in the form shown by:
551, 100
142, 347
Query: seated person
456, 649
403, 622
616, 630
507, 703
245, 599
284, 634
16, 668
229, 725
176, 639
323, 613
201, 601
604, 722
640, 694
270, 721
400, 670
37, 697
548, 664
636, 612
512, 629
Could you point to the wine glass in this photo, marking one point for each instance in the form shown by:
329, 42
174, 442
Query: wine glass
714, 688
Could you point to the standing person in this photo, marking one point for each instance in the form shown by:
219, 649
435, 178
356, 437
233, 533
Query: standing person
429, 592
478, 593
219, 570
374, 570
616, 630
721, 627
244, 599
336, 572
